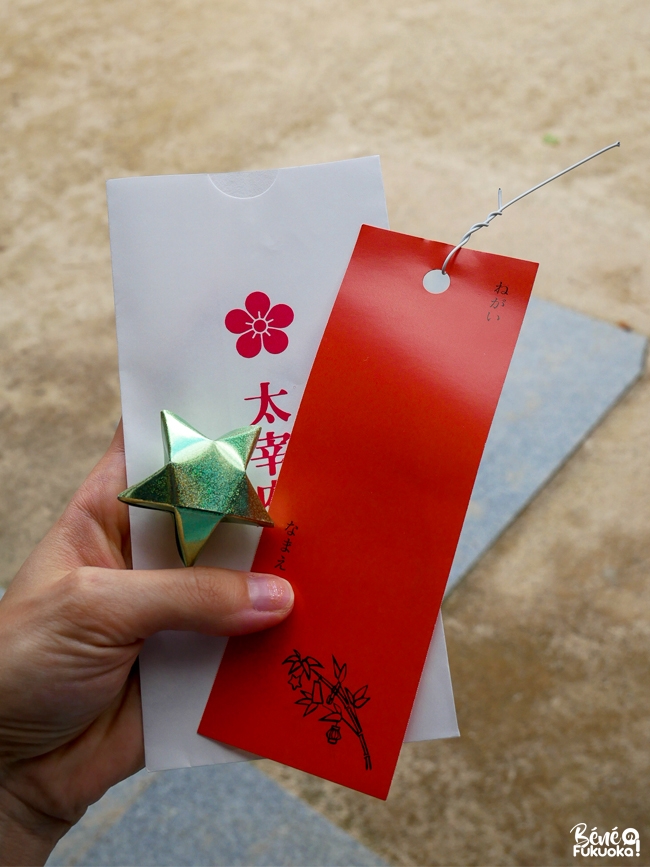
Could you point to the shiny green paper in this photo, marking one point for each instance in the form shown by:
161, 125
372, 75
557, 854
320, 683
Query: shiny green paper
202, 483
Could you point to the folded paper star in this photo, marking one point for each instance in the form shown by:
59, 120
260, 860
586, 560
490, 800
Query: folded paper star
202, 483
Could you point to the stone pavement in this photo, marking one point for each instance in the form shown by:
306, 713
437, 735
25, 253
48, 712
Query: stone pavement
568, 371
220, 815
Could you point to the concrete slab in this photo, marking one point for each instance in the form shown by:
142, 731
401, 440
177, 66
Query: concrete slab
567, 372
219, 815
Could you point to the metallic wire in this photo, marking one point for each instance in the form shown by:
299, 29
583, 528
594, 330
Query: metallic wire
501, 208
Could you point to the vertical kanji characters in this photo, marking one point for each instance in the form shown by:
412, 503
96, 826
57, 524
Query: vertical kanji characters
271, 446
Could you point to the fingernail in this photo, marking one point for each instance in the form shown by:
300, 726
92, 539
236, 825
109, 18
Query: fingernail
269, 593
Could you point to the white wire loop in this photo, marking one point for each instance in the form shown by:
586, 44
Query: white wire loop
501, 208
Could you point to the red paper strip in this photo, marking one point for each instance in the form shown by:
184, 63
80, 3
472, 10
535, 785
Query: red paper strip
369, 507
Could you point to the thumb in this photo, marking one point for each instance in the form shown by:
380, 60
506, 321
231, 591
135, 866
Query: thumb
125, 606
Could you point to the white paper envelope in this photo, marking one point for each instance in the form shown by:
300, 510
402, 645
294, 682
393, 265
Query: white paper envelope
223, 286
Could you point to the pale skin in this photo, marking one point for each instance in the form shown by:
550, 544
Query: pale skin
71, 626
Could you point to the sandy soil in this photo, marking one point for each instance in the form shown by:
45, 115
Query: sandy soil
549, 636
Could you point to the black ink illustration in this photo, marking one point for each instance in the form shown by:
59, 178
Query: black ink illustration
340, 703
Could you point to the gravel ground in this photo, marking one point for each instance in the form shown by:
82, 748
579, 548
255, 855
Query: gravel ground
548, 637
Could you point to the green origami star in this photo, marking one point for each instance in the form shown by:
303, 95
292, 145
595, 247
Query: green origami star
202, 483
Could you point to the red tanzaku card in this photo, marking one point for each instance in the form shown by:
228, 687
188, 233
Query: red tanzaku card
369, 507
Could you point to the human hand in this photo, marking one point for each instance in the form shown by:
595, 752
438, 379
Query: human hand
71, 626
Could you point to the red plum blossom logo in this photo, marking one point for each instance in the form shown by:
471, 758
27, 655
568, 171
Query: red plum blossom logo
260, 324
